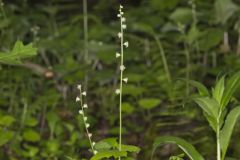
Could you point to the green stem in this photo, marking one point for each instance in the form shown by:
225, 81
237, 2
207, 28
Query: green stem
187, 54
164, 60
85, 29
2, 9
218, 142
120, 96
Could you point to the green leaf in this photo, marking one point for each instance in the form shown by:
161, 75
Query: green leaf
208, 105
6, 120
18, 53
210, 39
210, 108
231, 86
201, 88
224, 9
108, 154
149, 103
5, 136
181, 15
31, 136
188, 149
128, 108
130, 148
226, 132
219, 90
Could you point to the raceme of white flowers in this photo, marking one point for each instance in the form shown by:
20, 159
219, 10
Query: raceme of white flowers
84, 106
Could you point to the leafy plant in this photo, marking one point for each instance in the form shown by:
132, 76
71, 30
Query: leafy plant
221, 119
18, 53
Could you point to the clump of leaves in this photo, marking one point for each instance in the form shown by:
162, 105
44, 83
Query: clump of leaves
18, 53
221, 119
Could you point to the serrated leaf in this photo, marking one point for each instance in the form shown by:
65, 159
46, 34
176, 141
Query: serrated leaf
188, 149
18, 53
109, 154
226, 132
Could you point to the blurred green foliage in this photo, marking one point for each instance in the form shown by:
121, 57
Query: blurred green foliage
38, 114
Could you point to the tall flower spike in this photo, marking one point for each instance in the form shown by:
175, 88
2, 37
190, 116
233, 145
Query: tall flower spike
81, 112
122, 68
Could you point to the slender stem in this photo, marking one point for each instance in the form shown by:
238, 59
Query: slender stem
85, 28
120, 96
164, 60
2, 9
218, 141
187, 54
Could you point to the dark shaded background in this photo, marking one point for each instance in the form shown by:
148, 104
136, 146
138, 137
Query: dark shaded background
38, 114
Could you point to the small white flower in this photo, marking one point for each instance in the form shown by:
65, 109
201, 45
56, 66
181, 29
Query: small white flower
84, 93
124, 26
121, 7
122, 68
80, 111
118, 55
119, 15
119, 35
126, 44
123, 19
125, 80
87, 125
85, 106
117, 91
78, 99
93, 143
95, 152
85, 119
90, 135
79, 86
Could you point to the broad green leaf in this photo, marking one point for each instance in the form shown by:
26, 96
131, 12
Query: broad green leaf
201, 88
6, 120
5, 136
128, 108
109, 154
224, 9
232, 85
226, 132
130, 148
149, 103
210, 38
31, 136
18, 53
208, 105
181, 15
219, 90
188, 149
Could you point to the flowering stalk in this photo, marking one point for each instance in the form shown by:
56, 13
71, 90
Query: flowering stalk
84, 106
122, 68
